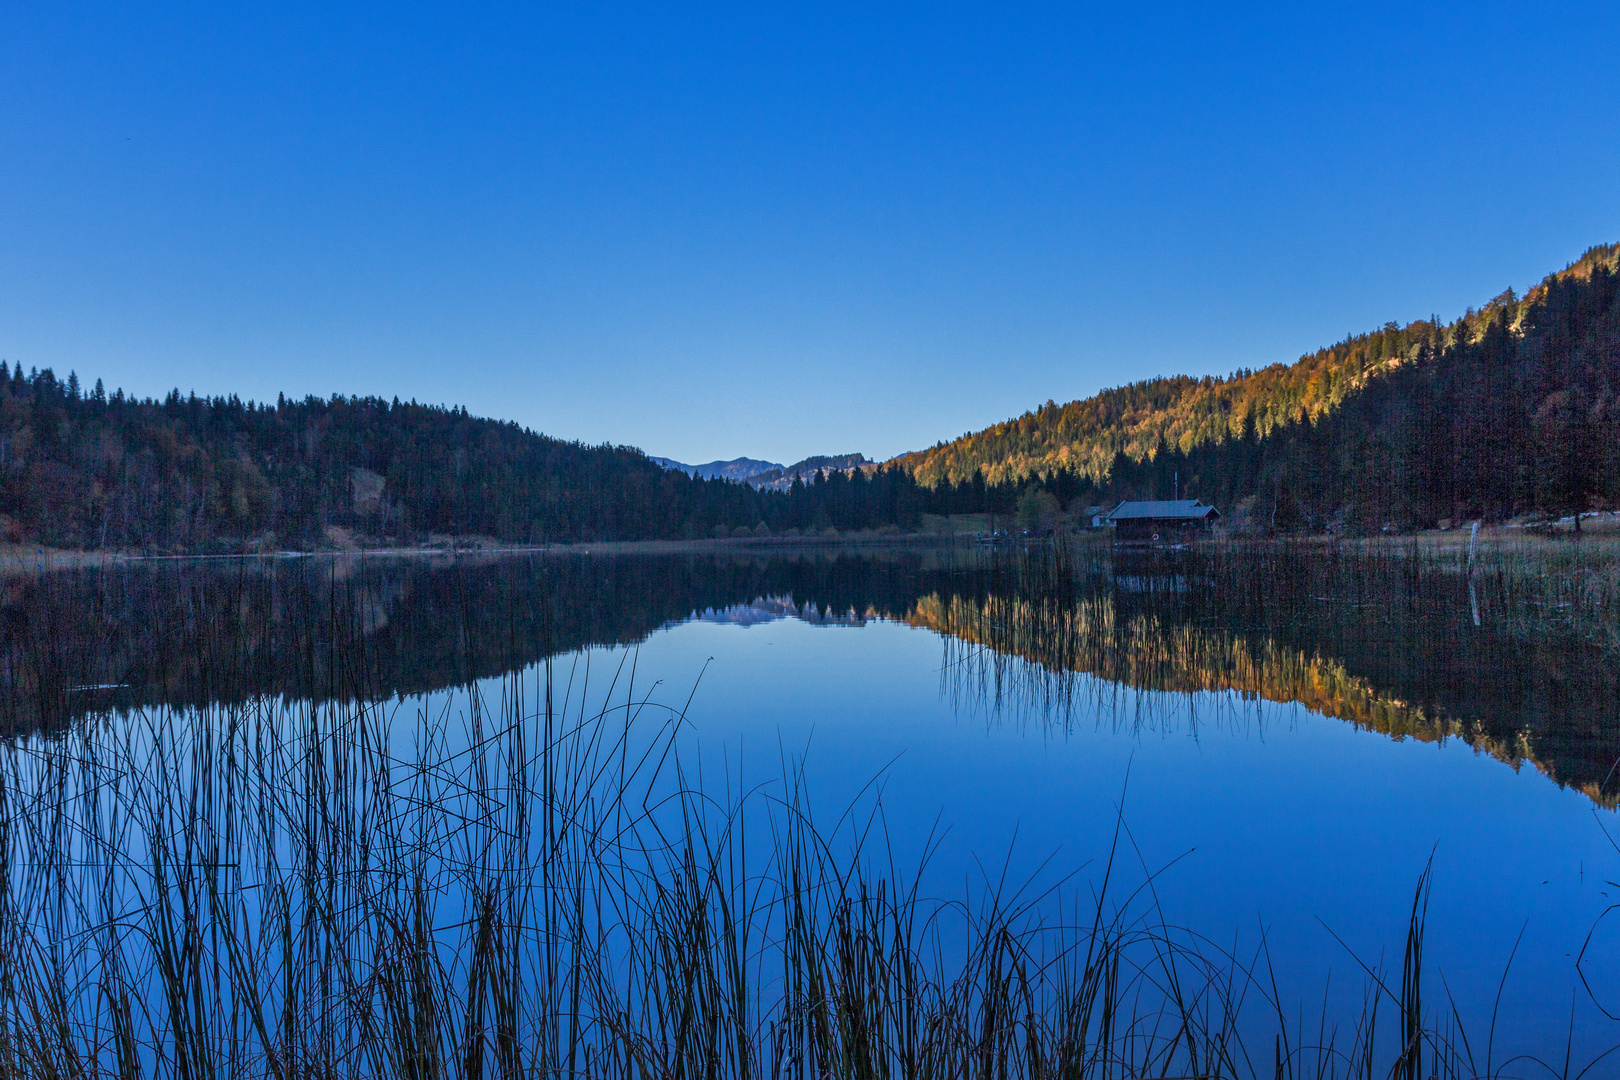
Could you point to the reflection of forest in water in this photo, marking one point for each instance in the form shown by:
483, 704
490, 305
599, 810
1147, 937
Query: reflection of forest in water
1382, 643
1390, 644
74, 643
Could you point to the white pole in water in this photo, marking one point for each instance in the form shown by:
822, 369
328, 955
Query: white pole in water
1473, 597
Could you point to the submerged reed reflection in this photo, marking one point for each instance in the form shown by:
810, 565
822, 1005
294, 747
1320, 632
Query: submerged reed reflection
77, 643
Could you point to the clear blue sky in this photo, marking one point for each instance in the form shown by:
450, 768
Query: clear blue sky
775, 229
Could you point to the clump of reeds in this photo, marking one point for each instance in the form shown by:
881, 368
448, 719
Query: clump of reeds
291, 890
537, 886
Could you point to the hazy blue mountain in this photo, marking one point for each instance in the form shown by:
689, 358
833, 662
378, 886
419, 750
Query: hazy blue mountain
781, 477
736, 469
769, 474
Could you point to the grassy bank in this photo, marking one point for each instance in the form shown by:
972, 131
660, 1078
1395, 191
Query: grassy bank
1528, 580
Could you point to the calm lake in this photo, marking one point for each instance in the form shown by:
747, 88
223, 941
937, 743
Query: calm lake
1269, 747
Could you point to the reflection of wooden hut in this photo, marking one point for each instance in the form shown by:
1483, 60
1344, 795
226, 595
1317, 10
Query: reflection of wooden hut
1166, 521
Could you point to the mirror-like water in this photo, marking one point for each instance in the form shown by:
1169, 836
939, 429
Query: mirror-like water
1277, 743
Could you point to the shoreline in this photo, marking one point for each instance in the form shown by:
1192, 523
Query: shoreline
28, 558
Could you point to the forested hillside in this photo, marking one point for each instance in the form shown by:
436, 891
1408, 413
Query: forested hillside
1511, 410
1185, 413
87, 470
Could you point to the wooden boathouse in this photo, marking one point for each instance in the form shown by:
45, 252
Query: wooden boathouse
1167, 521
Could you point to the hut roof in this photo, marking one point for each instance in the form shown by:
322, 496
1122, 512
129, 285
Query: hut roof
1167, 509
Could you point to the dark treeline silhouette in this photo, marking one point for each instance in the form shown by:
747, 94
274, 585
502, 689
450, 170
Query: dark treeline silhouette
1509, 410
82, 469
88, 470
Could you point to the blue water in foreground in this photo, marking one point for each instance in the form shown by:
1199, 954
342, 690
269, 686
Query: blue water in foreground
1255, 821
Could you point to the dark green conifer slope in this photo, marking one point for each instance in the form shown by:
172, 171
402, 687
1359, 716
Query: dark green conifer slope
1511, 410
85, 470
186, 474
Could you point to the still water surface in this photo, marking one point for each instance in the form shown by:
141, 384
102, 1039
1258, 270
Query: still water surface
1280, 756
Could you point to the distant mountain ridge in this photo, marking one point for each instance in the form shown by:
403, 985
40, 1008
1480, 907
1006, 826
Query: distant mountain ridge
782, 477
735, 469
768, 475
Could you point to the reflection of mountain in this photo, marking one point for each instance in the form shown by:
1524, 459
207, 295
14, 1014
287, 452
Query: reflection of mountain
768, 609
1144, 653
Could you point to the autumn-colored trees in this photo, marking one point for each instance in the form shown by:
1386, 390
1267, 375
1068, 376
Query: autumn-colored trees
1512, 409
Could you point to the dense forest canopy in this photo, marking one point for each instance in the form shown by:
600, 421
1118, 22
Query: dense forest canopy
90, 470
1512, 410
1185, 413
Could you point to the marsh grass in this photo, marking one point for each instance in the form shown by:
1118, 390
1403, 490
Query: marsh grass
1531, 584
534, 889
535, 886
